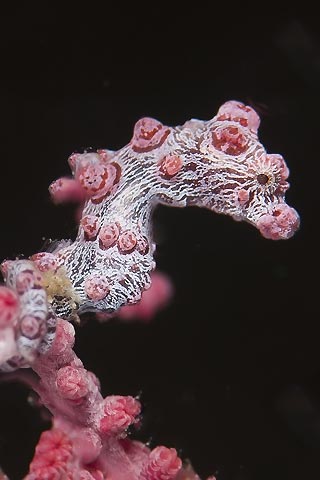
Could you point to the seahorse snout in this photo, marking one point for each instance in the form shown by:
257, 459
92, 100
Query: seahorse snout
280, 224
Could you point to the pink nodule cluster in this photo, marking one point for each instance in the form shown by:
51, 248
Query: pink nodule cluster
217, 164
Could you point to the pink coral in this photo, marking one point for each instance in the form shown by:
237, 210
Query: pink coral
9, 306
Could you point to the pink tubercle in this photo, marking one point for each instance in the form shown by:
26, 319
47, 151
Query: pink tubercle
127, 241
72, 383
163, 464
97, 179
148, 134
67, 190
114, 175
45, 261
26, 280
170, 165
117, 403
96, 287
281, 224
109, 235
230, 140
238, 112
30, 326
9, 307
90, 225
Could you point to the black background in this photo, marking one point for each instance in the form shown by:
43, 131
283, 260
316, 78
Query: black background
230, 371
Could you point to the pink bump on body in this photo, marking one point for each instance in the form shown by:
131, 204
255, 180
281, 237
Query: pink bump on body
97, 179
90, 225
230, 140
26, 280
109, 235
282, 223
9, 306
127, 241
170, 165
30, 326
238, 112
148, 134
45, 261
96, 287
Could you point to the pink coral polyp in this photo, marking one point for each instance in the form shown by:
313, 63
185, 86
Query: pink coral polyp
53, 453
120, 413
9, 306
163, 464
71, 382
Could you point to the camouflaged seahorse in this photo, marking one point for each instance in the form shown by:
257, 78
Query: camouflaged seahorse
217, 164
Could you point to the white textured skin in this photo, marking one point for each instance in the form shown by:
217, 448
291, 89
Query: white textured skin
209, 178
217, 164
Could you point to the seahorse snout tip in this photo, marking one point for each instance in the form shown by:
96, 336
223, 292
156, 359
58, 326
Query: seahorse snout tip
281, 224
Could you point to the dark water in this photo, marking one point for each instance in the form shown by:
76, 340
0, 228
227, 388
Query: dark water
230, 372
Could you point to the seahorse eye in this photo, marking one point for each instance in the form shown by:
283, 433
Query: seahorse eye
262, 178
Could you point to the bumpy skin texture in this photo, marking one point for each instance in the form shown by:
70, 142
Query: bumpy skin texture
217, 164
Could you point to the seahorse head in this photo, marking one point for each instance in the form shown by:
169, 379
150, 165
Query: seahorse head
234, 174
